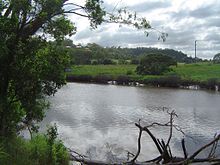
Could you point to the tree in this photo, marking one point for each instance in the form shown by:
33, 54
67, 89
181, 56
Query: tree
216, 58
155, 64
33, 68
80, 56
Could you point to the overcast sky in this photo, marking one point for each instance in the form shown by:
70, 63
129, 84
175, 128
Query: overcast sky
184, 20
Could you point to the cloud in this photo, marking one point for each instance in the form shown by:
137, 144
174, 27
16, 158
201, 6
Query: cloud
206, 11
184, 21
214, 21
150, 6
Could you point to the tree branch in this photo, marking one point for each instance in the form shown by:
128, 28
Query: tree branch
204, 147
139, 145
184, 149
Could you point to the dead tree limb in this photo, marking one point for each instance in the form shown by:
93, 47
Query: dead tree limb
139, 145
184, 149
166, 157
203, 148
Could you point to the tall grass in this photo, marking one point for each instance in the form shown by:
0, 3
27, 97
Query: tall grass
37, 151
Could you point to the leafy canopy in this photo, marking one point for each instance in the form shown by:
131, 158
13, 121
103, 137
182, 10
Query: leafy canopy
32, 68
155, 64
216, 58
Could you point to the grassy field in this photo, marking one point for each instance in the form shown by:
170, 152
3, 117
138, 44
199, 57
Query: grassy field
94, 70
197, 72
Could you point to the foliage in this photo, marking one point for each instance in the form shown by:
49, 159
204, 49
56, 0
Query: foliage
3, 155
33, 68
198, 74
173, 81
80, 56
195, 72
206, 75
93, 52
155, 64
216, 58
134, 61
27, 60
106, 61
37, 151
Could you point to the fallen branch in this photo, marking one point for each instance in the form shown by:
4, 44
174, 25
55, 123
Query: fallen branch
166, 157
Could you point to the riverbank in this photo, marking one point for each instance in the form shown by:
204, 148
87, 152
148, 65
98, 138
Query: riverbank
200, 75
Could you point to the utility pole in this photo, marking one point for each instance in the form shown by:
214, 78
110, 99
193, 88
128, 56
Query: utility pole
195, 48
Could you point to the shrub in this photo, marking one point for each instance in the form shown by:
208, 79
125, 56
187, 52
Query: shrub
94, 62
123, 80
209, 84
168, 81
155, 64
102, 79
135, 61
3, 155
216, 59
79, 78
40, 150
129, 72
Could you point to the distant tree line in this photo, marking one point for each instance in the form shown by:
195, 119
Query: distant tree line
94, 54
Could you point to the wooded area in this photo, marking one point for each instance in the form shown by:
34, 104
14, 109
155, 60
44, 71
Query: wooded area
93, 54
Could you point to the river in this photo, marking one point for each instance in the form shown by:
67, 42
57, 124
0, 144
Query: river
98, 120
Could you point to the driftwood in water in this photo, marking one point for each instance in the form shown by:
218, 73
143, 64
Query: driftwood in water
166, 156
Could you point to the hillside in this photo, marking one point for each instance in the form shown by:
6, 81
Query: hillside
94, 52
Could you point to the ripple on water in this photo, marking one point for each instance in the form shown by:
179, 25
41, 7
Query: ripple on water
98, 120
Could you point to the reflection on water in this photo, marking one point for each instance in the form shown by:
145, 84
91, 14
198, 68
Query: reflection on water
98, 120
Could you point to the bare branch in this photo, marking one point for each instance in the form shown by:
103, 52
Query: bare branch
139, 145
154, 139
164, 149
73, 12
172, 114
204, 147
184, 149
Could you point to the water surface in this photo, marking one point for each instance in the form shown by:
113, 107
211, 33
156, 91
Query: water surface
98, 120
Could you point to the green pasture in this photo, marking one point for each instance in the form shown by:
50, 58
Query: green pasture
197, 72
113, 70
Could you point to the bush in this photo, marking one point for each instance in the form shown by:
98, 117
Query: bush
94, 62
155, 64
135, 61
123, 62
78, 78
216, 59
210, 84
102, 79
168, 81
123, 80
40, 150
3, 155
129, 72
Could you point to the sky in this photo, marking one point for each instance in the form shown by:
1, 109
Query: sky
184, 20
